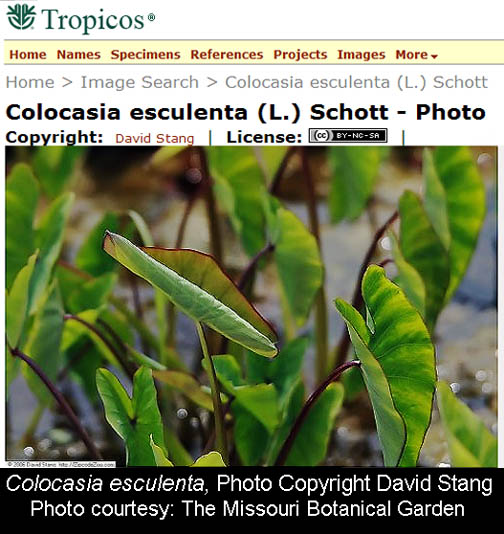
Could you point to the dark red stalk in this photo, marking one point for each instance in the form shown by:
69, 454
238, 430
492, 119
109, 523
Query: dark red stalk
185, 217
303, 414
277, 179
212, 214
124, 363
95, 453
357, 301
250, 270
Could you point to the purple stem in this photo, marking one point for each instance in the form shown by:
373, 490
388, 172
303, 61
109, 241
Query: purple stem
124, 364
303, 414
95, 453
275, 183
357, 301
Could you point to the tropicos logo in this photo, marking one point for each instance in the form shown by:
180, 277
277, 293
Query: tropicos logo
22, 17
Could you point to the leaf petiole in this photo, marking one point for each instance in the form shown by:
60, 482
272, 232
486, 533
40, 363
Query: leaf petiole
220, 431
303, 414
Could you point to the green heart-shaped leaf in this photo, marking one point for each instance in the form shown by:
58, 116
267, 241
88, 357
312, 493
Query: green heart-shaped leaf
135, 419
255, 407
283, 372
398, 365
251, 437
194, 282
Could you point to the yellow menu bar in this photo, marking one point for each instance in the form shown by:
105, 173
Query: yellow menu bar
267, 52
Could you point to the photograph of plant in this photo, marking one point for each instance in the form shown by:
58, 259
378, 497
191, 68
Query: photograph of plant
255, 306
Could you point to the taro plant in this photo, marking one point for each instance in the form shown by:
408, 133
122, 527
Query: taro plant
67, 319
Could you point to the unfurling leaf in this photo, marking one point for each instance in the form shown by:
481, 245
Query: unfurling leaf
159, 455
212, 459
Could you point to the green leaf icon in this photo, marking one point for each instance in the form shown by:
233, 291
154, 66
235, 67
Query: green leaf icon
21, 16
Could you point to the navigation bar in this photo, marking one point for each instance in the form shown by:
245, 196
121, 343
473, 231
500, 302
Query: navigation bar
173, 52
